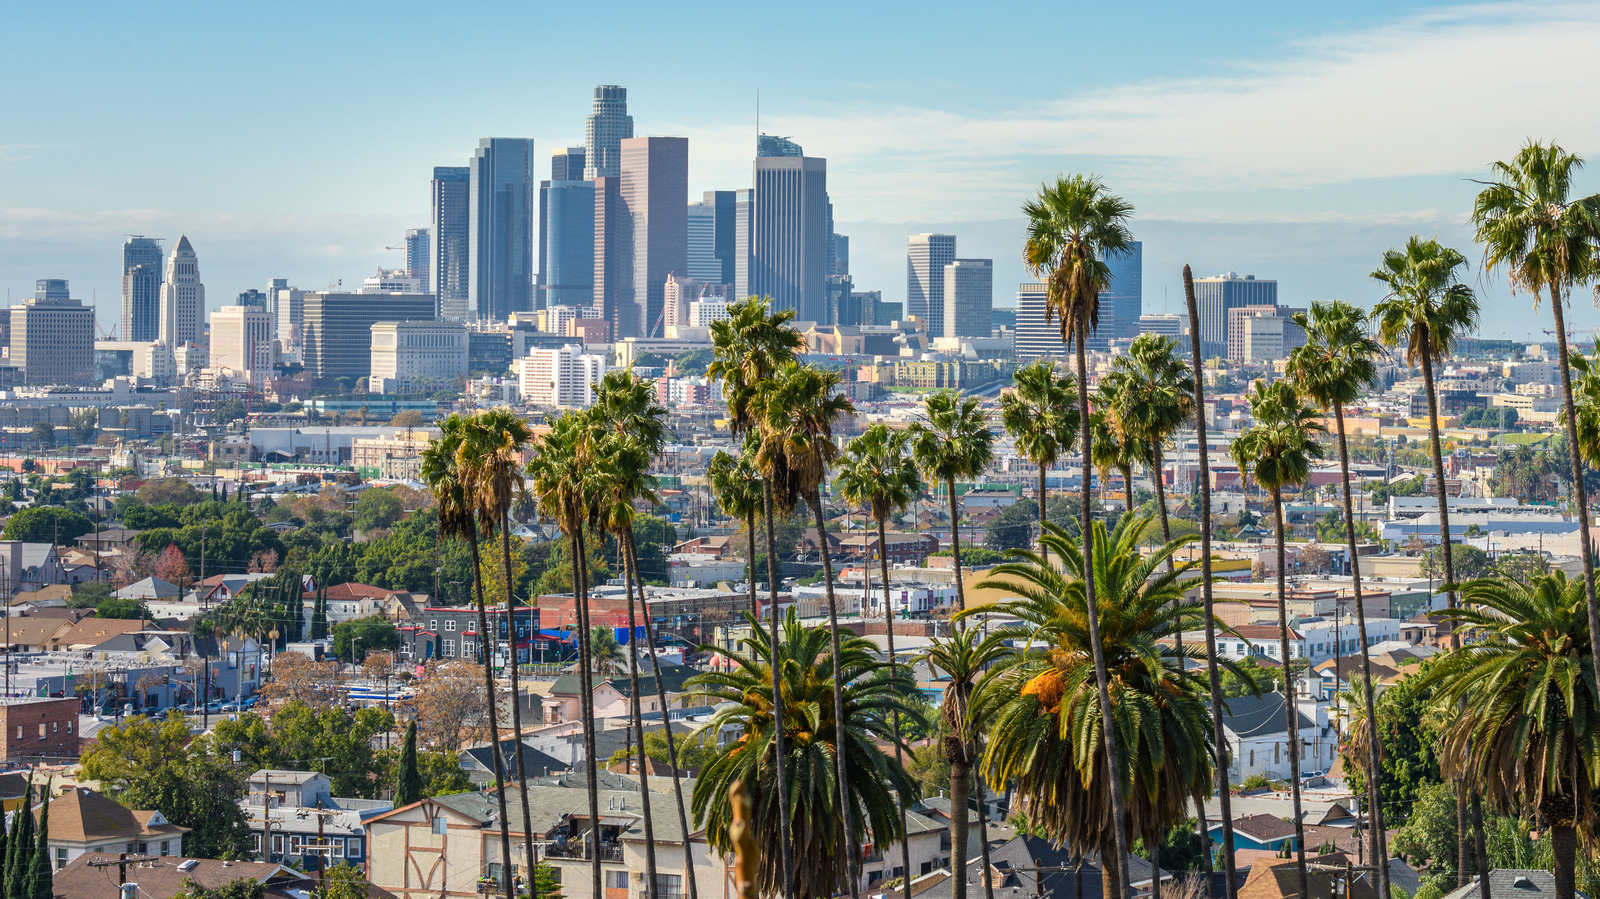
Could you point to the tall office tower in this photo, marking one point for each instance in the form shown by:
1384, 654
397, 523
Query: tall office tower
841, 255
604, 131
844, 308
1122, 302
1215, 296
251, 297
141, 289
969, 298
613, 252
52, 337
241, 339
417, 357
337, 339
773, 145
744, 205
183, 297
654, 187
448, 253
832, 245
786, 233
926, 257
500, 242
562, 378
417, 256
703, 264
1035, 337
566, 170
725, 233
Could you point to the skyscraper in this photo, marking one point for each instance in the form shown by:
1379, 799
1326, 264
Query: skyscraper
417, 257
241, 339
654, 188
926, 257
969, 298
703, 264
338, 329
500, 242
613, 252
566, 265
1122, 302
787, 233
1035, 337
1215, 296
448, 255
183, 297
52, 337
604, 131
141, 289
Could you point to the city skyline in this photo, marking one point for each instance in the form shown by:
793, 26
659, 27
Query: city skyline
1312, 206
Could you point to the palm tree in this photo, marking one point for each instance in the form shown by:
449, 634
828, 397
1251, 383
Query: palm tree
448, 475
1529, 222
1043, 705
605, 652
952, 441
1522, 706
962, 657
563, 473
880, 476
747, 349
1278, 449
1072, 226
1161, 389
1112, 446
797, 412
495, 440
1213, 673
736, 483
1039, 416
1333, 369
875, 692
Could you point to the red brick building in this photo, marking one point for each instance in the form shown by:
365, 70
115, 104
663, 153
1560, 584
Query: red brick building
39, 727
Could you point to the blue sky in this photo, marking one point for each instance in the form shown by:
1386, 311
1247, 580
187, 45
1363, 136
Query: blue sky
295, 139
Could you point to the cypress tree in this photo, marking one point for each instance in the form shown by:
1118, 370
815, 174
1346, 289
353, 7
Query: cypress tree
408, 788
319, 614
41, 882
19, 859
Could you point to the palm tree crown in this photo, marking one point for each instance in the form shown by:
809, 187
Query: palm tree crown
1040, 416
877, 474
953, 441
1427, 307
748, 347
1279, 447
1530, 224
1072, 225
1336, 364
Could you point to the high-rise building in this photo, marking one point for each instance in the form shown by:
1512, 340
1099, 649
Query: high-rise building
654, 188
1215, 296
926, 257
969, 298
241, 340
448, 255
604, 131
251, 297
417, 356
787, 232
703, 264
613, 251
572, 251
1174, 326
1036, 337
183, 297
288, 306
1122, 302
773, 145
500, 242
1263, 333
841, 256
744, 206
417, 257
337, 329
141, 289
52, 337
559, 378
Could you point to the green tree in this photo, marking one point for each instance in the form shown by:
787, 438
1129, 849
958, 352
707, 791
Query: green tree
343, 881
1011, 529
1470, 562
1155, 389
331, 740
1277, 451
353, 639
19, 857
1113, 447
1043, 706
1039, 416
1546, 239
39, 882
1073, 225
950, 442
44, 434
546, 885
377, 508
175, 491
130, 609
238, 888
1247, 678
736, 483
47, 524
743, 696
408, 786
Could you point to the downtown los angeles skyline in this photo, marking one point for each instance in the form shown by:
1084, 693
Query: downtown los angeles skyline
1254, 139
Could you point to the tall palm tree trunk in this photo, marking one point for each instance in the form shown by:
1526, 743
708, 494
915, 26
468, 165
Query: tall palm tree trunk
755, 606
1291, 710
955, 545
516, 701
1559, 811
1044, 515
777, 697
580, 591
672, 747
983, 820
1580, 491
494, 721
894, 721
1108, 730
852, 855
960, 793
1214, 676
1463, 847
629, 581
1127, 489
1375, 836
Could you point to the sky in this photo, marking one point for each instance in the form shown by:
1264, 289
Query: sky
1287, 141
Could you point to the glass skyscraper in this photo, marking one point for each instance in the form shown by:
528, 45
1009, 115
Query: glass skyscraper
500, 242
926, 257
1122, 302
785, 238
141, 289
1215, 296
448, 265
566, 233
604, 131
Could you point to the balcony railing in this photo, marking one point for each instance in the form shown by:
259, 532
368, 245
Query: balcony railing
575, 849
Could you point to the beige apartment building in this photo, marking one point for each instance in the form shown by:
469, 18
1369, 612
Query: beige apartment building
393, 456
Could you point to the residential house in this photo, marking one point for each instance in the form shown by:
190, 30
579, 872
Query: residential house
723, 546
32, 633
1257, 735
451, 632
612, 695
1267, 832
28, 566
478, 761
86, 877
91, 632
1522, 883
1032, 866
1278, 878
1261, 641
83, 821
108, 538
347, 602
902, 549
295, 818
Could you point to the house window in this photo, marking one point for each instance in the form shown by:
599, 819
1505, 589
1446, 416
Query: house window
19, 731
466, 647
450, 624
42, 730
616, 880
338, 847
353, 847
255, 843
69, 727
449, 648
61, 857
277, 844
165, 848
433, 625
440, 825
669, 885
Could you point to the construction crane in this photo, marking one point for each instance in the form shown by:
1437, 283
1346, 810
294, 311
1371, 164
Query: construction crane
107, 335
